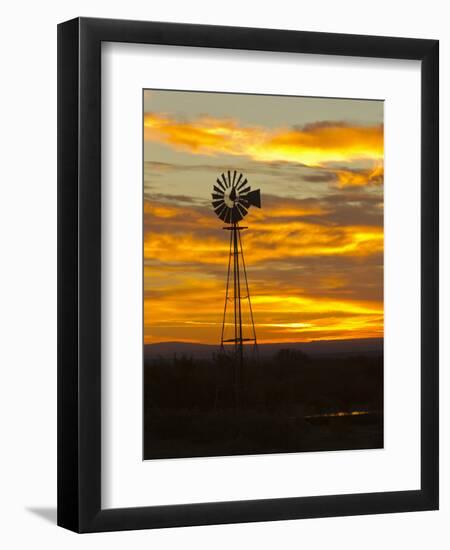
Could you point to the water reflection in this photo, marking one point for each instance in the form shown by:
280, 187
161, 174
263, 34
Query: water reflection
339, 413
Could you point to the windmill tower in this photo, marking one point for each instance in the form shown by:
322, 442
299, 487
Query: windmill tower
232, 197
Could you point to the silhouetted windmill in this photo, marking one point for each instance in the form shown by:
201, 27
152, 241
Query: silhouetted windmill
232, 197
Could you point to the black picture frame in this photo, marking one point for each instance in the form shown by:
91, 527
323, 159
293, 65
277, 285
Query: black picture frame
79, 274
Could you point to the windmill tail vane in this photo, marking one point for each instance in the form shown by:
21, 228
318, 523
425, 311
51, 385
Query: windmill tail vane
232, 197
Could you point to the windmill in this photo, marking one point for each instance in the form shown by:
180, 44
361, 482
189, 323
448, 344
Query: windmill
232, 197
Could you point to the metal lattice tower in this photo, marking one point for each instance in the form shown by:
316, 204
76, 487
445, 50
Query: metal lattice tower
232, 197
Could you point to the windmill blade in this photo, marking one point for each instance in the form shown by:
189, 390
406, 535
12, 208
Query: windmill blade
218, 190
241, 185
245, 191
235, 214
218, 209
224, 179
227, 218
217, 203
221, 210
221, 185
229, 178
254, 198
242, 210
224, 214
238, 213
244, 202
239, 179
234, 177
217, 196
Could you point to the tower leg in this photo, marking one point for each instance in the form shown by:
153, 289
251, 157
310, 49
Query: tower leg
240, 350
226, 293
244, 269
238, 343
239, 269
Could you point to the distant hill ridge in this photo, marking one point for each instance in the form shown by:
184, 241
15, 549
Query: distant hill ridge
362, 346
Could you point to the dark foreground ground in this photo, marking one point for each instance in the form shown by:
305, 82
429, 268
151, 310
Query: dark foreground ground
289, 402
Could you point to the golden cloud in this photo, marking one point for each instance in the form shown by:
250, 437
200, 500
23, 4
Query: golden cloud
357, 178
312, 145
354, 241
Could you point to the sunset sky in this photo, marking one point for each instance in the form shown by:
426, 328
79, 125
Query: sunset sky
314, 252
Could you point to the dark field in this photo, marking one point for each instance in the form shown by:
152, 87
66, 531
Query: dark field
287, 402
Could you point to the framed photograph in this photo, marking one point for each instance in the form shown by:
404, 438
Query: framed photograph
248, 275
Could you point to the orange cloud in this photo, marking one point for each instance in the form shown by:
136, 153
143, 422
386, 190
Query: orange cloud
289, 211
312, 145
266, 242
296, 239
357, 178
